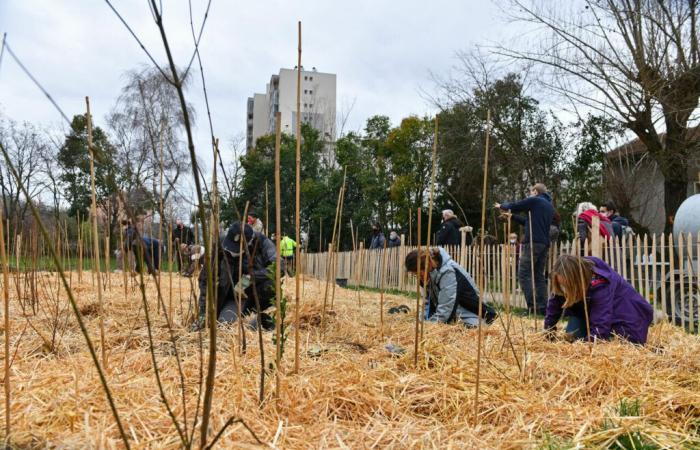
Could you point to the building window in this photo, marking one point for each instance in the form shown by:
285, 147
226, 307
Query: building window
310, 91
311, 105
305, 78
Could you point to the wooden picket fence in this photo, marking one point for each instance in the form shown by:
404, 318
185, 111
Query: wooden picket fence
663, 268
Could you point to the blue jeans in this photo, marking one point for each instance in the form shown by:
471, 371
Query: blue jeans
539, 256
577, 327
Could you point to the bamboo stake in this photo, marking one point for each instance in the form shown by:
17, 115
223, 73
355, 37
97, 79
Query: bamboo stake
267, 208
18, 256
80, 250
95, 237
6, 302
481, 266
697, 275
278, 258
337, 243
329, 263
381, 292
646, 267
418, 296
297, 223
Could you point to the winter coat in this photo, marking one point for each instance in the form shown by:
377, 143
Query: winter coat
454, 295
183, 235
619, 225
449, 234
377, 241
585, 221
614, 307
396, 242
542, 211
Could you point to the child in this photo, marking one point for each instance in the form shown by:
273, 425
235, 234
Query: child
452, 293
612, 305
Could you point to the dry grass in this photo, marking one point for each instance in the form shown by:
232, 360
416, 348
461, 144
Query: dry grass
351, 392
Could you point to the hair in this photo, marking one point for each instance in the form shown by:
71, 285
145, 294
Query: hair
540, 188
584, 206
448, 212
576, 272
610, 206
415, 260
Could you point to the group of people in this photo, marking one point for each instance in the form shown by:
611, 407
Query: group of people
598, 302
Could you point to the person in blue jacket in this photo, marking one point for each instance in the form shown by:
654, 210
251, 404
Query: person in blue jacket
533, 258
452, 294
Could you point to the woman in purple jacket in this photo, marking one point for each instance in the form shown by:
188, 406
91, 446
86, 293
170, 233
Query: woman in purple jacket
612, 305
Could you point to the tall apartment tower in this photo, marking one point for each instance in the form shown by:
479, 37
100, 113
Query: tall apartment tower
318, 94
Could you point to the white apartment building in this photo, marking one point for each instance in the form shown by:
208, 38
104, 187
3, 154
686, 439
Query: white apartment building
318, 97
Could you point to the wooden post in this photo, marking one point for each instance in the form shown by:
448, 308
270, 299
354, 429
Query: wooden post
80, 250
595, 237
7, 332
381, 292
663, 273
681, 276
418, 296
689, 254
655, 300
297, 256
278, 262
672, 278
95, 237
481, 265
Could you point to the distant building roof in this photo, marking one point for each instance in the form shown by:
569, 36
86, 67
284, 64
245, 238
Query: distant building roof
636, 147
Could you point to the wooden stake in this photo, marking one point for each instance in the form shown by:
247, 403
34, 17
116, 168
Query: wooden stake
6, 301
381, 292
297, 223
278, 261
95, 237
418, 296
481, 266
532, 270
330, 251
267, 211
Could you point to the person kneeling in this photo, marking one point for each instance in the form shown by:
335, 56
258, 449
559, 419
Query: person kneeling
254, 283
612, 305
452, 293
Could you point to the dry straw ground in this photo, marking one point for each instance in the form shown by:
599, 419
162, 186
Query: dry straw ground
351, 392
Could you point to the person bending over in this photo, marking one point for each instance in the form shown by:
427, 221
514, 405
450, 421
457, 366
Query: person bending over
612, 305
452, 293
255, 280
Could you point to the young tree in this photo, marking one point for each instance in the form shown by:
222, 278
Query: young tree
635, 60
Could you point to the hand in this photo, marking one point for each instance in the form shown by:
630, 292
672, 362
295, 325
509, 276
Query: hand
497, 205
242, 285
466, 229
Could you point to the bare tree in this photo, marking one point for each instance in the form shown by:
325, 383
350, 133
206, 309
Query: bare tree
637, 60
25, 146
147, 130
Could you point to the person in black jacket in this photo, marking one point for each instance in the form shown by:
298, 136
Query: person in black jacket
619, 223
181, 235
538, 208
255, 281
450, 232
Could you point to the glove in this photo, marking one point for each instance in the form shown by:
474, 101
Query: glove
242, 285
197, 324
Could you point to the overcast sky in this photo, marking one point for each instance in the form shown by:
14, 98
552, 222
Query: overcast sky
382, 52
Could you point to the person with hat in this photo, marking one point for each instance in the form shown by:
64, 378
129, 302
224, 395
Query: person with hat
257, 254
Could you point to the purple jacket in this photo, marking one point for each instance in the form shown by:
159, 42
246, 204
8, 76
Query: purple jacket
613, 307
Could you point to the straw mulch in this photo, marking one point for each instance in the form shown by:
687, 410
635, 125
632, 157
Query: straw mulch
351, 392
